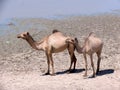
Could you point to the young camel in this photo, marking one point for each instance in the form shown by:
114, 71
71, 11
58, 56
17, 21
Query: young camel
53, 43
91, 45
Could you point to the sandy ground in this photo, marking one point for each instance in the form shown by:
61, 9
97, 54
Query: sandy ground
22, 68
20, 72
35, 81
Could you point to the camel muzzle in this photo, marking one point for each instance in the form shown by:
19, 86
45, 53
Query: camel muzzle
18, 36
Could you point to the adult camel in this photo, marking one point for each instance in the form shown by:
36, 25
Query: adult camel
91, 45
53, 43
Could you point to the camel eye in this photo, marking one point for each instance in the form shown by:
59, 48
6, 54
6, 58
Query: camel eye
24, 35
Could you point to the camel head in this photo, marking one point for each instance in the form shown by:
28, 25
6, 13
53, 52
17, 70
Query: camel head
73, 41
76, 40
24, 35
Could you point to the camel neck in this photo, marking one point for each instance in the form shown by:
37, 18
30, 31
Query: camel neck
32, 42
79, 48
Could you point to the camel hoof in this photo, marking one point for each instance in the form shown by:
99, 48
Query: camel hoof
46, 74
71, 71
93, 76
68, 72
85, 75
53, 74
97, 73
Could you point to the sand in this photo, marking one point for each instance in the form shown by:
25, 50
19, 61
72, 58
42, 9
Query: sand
22, 68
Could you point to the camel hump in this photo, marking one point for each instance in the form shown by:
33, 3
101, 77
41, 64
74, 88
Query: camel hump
55, 30
91, 34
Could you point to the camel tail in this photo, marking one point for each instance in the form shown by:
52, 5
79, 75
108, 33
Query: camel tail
76, 44
55, 30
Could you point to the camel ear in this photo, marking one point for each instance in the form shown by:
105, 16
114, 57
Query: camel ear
76, 40
27, 33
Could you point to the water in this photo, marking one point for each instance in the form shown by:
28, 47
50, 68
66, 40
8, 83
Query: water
4, 29
6, 26
10, 26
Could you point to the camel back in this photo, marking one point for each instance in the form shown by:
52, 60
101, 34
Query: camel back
55, 30
91, 34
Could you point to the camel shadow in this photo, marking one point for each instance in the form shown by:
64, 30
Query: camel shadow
104, 72
72, 71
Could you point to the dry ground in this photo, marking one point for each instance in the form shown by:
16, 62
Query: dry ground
22, 68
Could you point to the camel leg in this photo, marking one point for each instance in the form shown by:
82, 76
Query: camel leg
85, 65
72, 56
69, 70
75, 60
98, 62
70, 53
48, 62
52, 64
92, 64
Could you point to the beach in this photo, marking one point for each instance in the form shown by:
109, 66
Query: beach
22, 67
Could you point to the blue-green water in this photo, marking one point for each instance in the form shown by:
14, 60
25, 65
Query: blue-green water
17, 25
4, 29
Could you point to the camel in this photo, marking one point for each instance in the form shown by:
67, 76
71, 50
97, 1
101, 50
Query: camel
50, 44
91, 45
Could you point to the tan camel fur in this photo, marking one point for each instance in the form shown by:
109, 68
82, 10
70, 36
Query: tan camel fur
54, 43
91, 45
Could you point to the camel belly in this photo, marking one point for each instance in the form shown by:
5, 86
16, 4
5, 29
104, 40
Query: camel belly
57, 44
92, 49
58, 49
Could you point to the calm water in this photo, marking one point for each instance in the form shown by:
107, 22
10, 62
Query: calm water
12, 26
